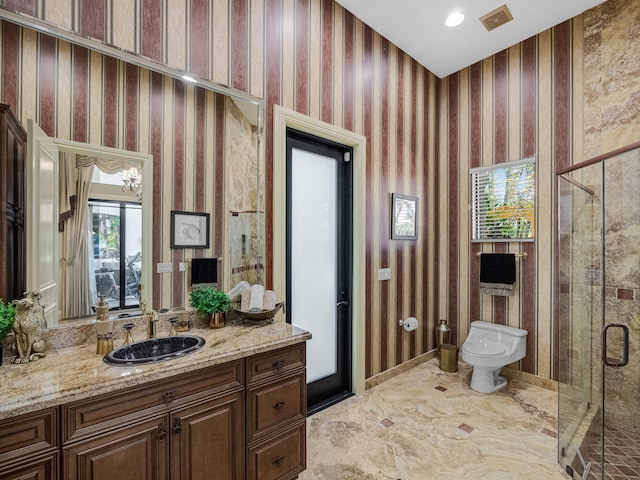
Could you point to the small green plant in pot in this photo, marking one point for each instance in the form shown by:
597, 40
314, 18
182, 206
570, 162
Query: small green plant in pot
210, 303
7, 315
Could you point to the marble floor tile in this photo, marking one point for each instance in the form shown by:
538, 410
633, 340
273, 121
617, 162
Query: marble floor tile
428, 424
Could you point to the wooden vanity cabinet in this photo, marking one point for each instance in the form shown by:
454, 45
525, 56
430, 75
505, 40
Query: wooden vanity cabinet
185, 428
276, 414
242, 419
29, 446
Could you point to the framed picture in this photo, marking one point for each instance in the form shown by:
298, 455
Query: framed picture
404, 219
189, 230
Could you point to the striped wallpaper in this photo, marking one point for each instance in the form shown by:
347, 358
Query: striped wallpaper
512, 105
423, 134
313, 57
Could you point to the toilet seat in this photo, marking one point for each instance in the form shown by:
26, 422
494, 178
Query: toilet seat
488, 349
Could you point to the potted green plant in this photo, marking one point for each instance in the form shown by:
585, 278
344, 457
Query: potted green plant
210, 303
7, 315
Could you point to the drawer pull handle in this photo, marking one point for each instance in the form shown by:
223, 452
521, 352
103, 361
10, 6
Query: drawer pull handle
177, 428
278, 365
169, 396
279, 406
162, 433
279, 461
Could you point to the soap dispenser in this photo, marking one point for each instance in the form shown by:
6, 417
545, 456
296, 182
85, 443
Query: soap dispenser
104, 328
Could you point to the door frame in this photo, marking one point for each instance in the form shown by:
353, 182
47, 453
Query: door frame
284, 118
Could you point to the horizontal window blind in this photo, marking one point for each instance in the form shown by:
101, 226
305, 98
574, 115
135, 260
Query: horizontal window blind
503, 198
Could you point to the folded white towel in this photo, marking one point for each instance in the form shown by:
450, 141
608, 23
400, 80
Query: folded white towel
245, 296
269, 302
256, 300
235, 293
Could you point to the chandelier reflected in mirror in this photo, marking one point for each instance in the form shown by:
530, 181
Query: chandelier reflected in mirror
132, 182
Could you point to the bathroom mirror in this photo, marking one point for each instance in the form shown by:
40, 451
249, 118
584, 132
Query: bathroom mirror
204, 139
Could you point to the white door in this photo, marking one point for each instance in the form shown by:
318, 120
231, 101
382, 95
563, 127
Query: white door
42, 220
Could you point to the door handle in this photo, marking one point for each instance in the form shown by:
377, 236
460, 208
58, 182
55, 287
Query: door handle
177, 428
344, 302
162, 433
625, 341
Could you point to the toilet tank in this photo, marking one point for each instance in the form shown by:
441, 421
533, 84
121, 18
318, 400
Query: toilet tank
510, 337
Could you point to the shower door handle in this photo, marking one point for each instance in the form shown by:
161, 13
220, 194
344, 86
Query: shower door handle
625, 340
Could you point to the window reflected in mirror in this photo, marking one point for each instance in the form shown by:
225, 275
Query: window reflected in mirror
117, 252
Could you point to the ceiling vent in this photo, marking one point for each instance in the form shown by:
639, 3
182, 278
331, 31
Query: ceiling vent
496, 18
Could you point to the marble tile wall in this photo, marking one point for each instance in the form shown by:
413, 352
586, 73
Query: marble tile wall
611, 77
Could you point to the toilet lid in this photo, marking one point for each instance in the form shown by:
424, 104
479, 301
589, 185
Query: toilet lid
488, 349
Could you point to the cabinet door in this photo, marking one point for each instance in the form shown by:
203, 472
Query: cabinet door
12, 233
139, 452
42, 218
207, 440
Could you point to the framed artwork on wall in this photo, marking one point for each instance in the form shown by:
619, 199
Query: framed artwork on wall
189, 230
404, 217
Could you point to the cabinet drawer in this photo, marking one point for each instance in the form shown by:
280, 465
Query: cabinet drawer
93, 416
40, 468
282, 457
273, 405
267, 365
28, 434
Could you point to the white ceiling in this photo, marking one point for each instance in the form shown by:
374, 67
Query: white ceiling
417, 26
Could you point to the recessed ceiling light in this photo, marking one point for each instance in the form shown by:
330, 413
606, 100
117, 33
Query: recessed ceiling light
454, 19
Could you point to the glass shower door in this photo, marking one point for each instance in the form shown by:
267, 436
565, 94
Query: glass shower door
599, 317
620, 338
579, 319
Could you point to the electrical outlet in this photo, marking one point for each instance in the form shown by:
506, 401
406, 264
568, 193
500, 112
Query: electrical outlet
165, 267
384, 274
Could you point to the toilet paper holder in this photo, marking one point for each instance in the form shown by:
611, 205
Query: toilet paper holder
409, 324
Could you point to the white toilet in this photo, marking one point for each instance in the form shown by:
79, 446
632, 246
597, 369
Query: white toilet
488, 348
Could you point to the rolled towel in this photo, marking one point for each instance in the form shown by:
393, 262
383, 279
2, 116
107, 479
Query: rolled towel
235, 294
269, 302
257, 298
245, 298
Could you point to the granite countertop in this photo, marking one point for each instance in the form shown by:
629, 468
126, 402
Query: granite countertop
74, 373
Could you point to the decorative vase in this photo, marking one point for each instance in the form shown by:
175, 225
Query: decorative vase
184, 322
216, 320
443, 335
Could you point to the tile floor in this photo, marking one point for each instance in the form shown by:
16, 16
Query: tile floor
622, 456
428, 424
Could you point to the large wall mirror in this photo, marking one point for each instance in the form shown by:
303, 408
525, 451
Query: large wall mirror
194, 146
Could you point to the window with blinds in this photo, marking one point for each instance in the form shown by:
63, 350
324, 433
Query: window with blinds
503, 197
